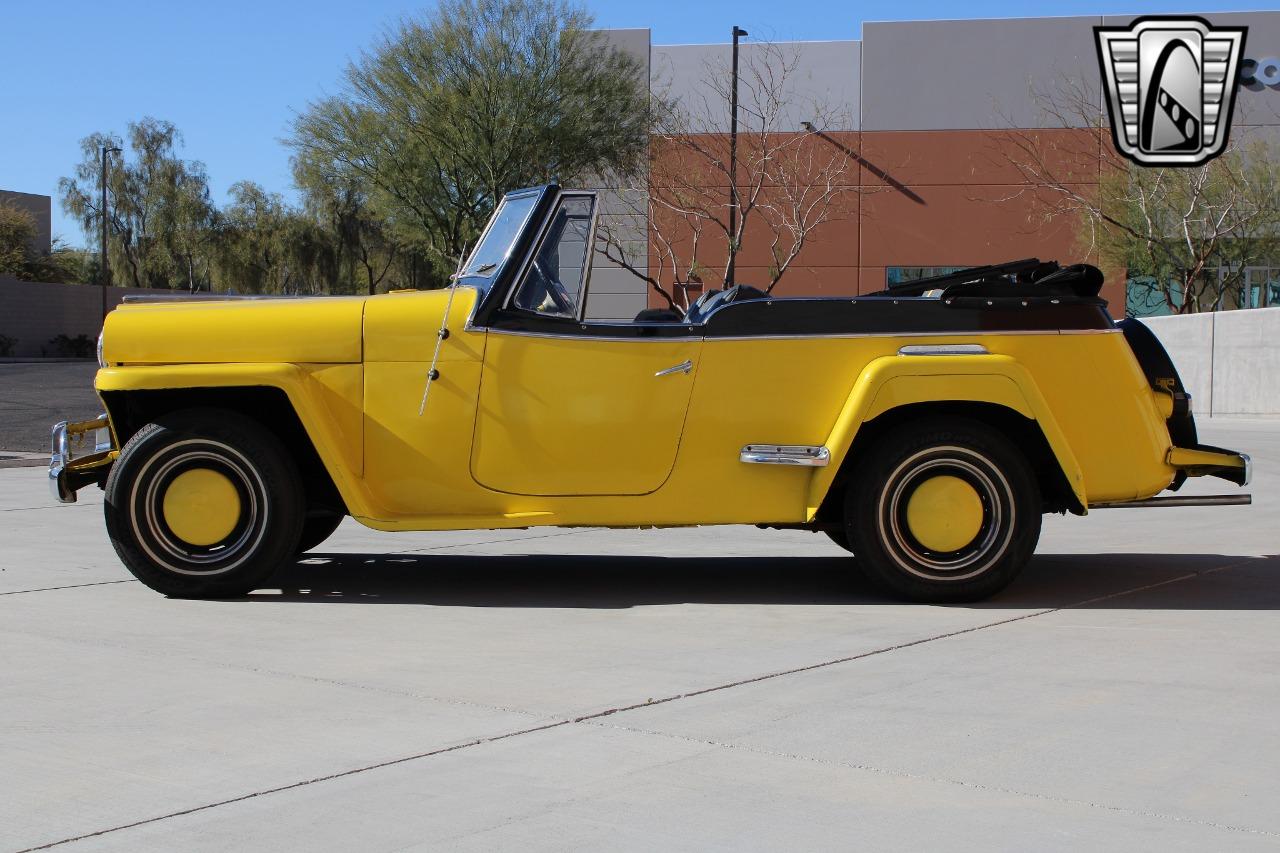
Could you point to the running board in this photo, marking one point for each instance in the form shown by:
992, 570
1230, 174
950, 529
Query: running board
1178, 500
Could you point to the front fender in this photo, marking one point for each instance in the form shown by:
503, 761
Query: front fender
325, 398
890, 382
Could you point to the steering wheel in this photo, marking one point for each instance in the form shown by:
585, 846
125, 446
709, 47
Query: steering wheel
553, 290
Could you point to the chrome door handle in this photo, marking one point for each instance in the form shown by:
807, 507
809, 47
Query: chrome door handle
683, 367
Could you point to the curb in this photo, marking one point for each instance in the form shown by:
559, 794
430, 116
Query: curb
25, 461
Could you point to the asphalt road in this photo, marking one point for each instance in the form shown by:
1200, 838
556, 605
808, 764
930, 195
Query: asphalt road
701, 689
35, 396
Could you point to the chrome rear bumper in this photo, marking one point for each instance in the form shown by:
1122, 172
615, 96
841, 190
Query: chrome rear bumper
1206, 461
81, 450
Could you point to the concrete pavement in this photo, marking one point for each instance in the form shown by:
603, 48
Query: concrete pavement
722, 688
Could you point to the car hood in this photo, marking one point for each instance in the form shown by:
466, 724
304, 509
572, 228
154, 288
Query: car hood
324, 330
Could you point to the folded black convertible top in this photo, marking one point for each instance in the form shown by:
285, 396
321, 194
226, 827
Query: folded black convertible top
1027, 277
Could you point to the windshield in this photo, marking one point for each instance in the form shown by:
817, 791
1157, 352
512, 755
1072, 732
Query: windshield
501, 233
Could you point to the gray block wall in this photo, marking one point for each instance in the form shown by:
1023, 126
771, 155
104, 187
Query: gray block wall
821, 76
615, 293
31, 313
994, 73
956, 75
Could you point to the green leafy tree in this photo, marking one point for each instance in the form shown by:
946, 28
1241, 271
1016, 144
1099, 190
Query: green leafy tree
1187, 236
17, 230
21, 259
63, 264
187, 225
449, 112
267, 246
160, 218
365, 249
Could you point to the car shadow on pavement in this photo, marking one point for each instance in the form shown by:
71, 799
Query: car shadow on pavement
1154, 581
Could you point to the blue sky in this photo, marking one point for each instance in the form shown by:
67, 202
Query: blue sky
231, 74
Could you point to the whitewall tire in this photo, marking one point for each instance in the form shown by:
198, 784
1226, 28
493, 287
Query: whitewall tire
204, 503
948, 511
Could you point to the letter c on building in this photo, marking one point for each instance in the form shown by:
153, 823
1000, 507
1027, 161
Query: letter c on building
1265, 71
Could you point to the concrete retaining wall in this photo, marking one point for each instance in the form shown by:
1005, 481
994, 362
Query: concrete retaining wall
1228, 360
34, 312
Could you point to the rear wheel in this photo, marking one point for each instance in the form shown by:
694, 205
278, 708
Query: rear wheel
948, 511
204, 503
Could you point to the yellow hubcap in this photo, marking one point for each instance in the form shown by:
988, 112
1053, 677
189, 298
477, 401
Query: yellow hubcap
944, 513
201, 506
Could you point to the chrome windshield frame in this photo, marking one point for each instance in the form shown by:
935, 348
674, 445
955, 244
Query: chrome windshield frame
533, 192
508, 299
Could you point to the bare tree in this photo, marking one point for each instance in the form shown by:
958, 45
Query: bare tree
788, 183
1184, 236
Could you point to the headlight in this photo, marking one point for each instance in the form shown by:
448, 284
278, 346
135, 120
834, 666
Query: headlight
101, 363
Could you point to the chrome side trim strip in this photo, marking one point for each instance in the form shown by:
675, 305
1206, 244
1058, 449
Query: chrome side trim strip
786, 454
944, 349
583, 337
210, 296
699, 337
958, 334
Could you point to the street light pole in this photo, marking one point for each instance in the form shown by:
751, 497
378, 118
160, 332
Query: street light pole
738, 32
106, 270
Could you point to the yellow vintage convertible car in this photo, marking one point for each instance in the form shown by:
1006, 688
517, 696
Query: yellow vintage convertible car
925, 429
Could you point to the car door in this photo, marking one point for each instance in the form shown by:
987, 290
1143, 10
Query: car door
568, 407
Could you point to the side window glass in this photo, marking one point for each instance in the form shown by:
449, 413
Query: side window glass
554, 282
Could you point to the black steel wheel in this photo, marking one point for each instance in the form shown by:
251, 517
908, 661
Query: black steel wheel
942, 512
204, 503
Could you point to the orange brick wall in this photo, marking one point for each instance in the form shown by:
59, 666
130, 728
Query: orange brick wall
930, 198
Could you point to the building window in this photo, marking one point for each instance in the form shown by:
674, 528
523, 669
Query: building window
1145, 297
1235, 288
1259, 288
898, 276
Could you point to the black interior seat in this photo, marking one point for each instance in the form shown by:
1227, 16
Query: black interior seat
658, 315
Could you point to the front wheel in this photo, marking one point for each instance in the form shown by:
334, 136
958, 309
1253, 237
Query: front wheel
944, 512
840, 536
204, 503
317, 528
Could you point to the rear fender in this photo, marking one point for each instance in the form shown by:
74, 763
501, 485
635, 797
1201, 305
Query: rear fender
890, 382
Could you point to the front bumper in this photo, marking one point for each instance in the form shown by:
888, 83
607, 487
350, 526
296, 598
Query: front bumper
83, 452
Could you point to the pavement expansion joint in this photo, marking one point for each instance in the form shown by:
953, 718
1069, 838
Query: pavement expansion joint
58, 507
68, 586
